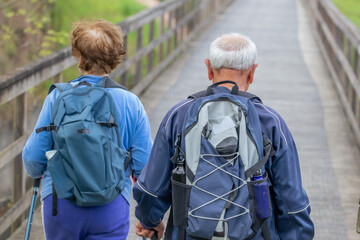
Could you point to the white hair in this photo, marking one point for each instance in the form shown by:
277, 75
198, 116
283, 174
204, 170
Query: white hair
234, 51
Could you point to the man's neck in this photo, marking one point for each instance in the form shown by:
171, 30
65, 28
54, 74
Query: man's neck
240, 78
242, 86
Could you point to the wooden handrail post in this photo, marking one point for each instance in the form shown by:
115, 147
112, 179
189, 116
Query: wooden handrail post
151, 54
177, 18
356, 64
19, 130
124, 75
139, 39
161, 30
169, 28
182, 14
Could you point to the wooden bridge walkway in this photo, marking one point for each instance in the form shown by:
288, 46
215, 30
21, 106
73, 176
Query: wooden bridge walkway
293, 79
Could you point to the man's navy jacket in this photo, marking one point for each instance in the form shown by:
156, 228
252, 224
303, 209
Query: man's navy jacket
291, 207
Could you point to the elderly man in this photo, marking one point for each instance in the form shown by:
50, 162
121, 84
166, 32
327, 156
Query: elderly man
232, 57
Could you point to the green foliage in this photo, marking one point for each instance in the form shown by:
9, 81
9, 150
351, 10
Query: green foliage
51, 39
351, 9
24, 33
66, 12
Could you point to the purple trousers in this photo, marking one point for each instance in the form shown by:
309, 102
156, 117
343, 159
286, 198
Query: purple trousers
110, 221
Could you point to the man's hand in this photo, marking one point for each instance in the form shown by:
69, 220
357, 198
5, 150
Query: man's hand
141, 231
160, 230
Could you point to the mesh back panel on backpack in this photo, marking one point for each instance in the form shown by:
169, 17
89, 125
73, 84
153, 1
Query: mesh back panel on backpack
88, 166
223, 146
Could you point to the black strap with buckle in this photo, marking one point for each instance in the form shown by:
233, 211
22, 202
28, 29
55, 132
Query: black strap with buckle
47, 128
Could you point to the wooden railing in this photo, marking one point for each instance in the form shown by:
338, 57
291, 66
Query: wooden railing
340, 42
167, 27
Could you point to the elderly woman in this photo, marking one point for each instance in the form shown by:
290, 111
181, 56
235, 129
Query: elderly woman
99, 48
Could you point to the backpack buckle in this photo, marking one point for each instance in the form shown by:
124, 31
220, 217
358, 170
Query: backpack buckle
178, 151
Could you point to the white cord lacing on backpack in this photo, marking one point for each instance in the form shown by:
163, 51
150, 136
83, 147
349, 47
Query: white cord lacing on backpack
219, 168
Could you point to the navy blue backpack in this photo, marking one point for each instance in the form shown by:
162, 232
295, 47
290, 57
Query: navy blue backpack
88, 167
225, 192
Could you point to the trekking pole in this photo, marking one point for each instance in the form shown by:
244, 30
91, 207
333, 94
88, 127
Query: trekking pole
32, 208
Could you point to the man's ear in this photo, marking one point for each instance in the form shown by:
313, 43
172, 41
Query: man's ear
210, 69
252, 73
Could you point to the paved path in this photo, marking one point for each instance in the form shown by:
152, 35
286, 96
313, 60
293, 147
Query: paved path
293, 79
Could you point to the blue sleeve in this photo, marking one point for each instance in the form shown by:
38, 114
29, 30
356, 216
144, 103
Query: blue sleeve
151, 190
33, 154
141, 142
291, 203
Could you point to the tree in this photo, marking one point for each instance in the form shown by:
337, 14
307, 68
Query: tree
26, 32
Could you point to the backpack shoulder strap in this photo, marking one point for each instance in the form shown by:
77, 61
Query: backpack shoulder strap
269, 152
198, 95
61, 86
250, 96
204, 93
107, 82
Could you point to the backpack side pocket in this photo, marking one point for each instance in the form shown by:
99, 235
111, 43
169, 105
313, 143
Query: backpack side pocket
260, 194
180, 202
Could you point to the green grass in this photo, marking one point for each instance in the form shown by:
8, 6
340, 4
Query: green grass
68, 11
351, 9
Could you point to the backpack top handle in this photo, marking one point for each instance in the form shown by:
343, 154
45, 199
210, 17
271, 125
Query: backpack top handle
83, 83
234, 90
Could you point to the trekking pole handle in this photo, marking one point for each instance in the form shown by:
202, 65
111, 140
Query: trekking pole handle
155, 237
37, 182
83, 83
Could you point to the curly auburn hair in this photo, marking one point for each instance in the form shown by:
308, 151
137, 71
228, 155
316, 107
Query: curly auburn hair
98, 46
